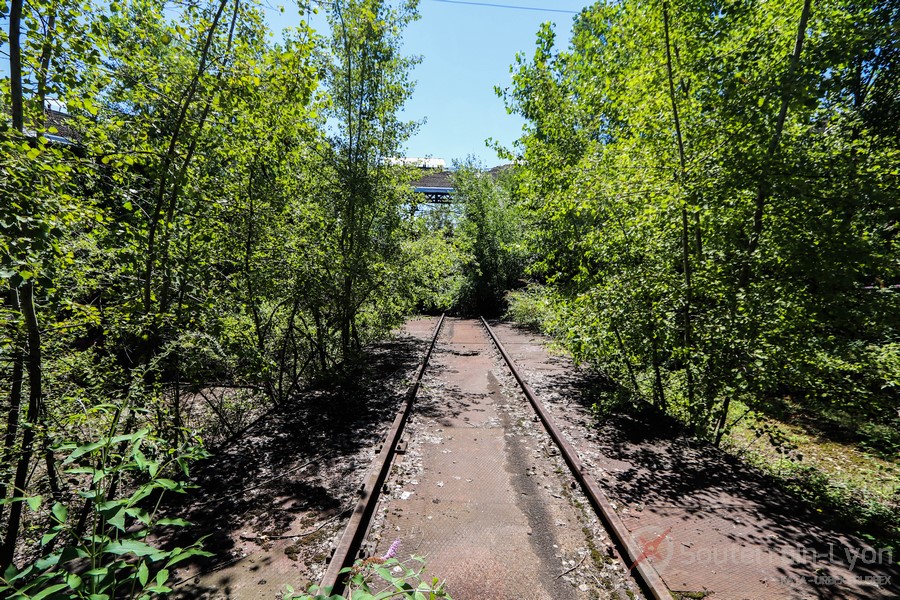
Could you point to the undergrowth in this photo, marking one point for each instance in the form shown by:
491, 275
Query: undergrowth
854, 486
380, 579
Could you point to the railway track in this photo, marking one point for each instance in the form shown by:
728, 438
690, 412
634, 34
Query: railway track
630, 553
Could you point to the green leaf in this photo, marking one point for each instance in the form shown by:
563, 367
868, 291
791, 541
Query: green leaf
50, 590
82, 450
73, 581
135, 547
143, 573
118, 519
139, 513
34, 502
60, 511
178, 556
128, 437
175, 522
21, 574
139, 458
50, 536
46, 562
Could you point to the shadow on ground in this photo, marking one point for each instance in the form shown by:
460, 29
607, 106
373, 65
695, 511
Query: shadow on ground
710, 503
304, 458
669, 470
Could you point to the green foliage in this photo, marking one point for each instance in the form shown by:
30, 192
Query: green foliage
873, 518
213, 213
433, 262
379, 579
488, 236
713, 211
367, 80
106, 550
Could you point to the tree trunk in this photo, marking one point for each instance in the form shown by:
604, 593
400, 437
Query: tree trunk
685, 228
659, 391
182, 171
169, 158
46, 57
33, 421
626, 360
15, 66
15, 405
764, 190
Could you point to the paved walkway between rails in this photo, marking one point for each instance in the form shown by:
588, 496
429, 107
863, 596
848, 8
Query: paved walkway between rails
481, 493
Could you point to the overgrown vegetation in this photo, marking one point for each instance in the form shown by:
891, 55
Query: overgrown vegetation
488, 238
712, 192
845, 478
381, 579
196, 222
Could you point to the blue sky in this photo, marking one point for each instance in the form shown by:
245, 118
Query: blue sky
467, 50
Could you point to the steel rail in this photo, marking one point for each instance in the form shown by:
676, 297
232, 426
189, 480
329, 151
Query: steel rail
355, 532
647, 576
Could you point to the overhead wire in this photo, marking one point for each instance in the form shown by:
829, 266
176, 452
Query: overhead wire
508, 6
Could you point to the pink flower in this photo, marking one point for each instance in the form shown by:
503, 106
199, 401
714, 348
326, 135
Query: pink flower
392, 551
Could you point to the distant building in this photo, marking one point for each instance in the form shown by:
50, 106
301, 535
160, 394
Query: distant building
436, 182
423, 163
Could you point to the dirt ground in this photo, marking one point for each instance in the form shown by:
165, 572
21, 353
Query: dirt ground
273, 500
481, 493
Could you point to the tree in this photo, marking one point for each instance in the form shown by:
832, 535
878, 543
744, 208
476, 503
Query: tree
37, 209
487, 235
367, 81
715, 147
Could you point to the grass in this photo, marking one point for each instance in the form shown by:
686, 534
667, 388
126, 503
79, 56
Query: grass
843, 478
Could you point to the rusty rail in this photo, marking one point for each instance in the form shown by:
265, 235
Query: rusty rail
647, 577
355, 533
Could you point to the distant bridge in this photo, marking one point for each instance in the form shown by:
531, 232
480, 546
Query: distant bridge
436, 186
